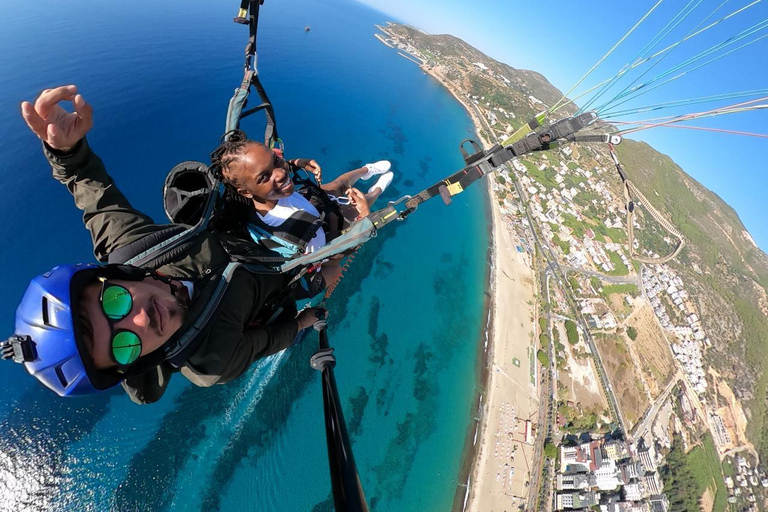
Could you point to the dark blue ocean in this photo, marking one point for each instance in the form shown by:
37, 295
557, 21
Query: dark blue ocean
405, 321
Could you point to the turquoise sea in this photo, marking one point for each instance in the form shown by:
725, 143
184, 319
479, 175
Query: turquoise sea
405, 321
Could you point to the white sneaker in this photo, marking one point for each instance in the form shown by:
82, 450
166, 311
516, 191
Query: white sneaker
383, 182
375, 168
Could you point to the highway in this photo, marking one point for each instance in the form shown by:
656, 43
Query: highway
554, 269
559, 274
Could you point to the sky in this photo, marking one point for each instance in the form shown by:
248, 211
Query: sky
563, 39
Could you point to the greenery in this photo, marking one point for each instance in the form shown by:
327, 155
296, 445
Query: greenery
755, 331
687, 477
545, 177
542, 357
679, 482
571, 180
705, 467
575, 224
575, 421
624, 289
585, 198
698, 213
615, 234
550, 450
632, 333
500, 179
542, 324
619, 269
564, 246
572, 331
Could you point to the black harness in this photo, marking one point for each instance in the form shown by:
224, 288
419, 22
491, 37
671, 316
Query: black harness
293, 235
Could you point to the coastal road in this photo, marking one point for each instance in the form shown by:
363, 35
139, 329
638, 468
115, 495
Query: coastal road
544, 427
553, 267
559, 274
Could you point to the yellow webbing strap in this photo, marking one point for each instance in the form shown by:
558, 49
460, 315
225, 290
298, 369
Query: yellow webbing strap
455, 188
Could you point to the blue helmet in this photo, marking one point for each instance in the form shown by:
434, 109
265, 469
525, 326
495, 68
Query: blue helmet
46, 338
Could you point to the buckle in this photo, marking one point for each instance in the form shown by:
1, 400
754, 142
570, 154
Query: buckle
19, 348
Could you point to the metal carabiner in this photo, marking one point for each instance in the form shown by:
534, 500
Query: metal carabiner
398, 201
405, 212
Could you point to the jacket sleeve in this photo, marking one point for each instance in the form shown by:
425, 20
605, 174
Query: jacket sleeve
107, 214
231, 342
254, 344
258, 343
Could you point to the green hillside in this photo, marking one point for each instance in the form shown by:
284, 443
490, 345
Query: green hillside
730, 283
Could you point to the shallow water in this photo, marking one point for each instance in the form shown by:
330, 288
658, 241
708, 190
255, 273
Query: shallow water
405, 320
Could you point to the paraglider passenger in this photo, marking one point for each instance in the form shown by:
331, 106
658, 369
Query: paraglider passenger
295, 220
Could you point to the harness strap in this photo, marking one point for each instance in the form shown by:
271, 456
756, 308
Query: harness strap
630, 190
176, 354
481, 162
145, 245
250, 8
297, 230
358, 233
605, 138
312, 192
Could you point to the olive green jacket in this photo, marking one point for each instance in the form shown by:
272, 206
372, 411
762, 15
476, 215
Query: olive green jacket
235, 336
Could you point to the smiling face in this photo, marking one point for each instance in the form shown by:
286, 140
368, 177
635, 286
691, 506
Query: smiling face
259, 174
156, 314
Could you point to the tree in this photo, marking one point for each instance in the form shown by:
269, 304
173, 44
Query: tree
678, 478
550, 450
632, 333
572, 331
500, 180
542, 357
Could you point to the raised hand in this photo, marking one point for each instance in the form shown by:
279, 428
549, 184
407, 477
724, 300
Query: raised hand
310, 165
52, 124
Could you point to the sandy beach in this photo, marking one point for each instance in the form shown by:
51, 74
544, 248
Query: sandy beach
500, 453
499, 448
503, 453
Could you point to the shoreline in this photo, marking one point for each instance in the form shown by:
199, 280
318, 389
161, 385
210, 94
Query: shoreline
506, 369
476, 492
476, 428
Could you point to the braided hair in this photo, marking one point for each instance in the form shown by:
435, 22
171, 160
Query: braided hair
227, 153
235, 207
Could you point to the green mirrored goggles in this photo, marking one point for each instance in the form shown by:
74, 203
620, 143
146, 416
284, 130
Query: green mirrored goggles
117, 302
